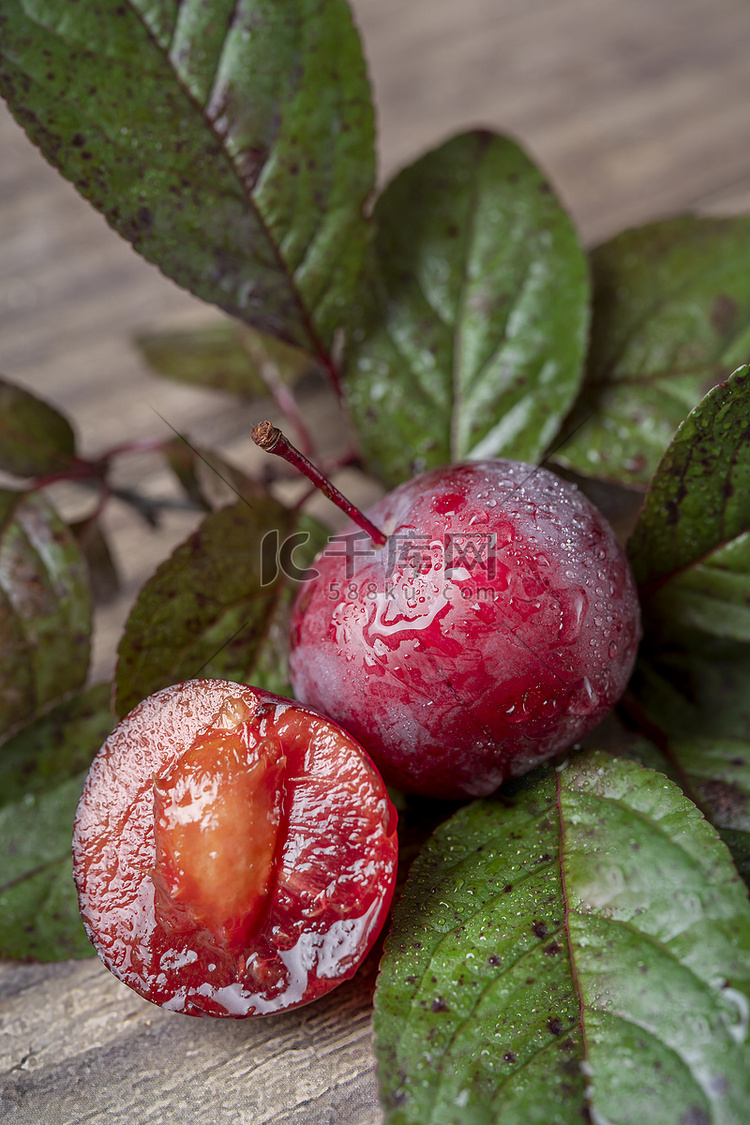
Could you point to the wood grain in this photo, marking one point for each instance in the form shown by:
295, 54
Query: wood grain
78, 1046
636, 110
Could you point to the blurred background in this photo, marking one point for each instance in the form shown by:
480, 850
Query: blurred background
635, 110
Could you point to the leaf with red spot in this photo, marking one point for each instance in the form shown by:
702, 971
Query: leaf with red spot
226, 355
45, 608
692, 703
690, 549
42, 769
475, 319
577, 948
231, 142
219, 606
35, 439
671, 318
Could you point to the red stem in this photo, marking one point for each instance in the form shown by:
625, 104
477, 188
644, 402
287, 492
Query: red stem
78, 469
271, 439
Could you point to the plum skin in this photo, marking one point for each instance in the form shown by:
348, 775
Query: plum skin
455, 672
331, 852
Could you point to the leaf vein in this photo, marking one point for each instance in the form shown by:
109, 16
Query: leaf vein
450, 933
445, 1053
648, 939
33, 872
274, 248
428, 396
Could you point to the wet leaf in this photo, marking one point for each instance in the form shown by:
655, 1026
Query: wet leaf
696, 685
217, 606
575, 949
227, 356
474, 325
690, 554
715, 774
56, 747
713, 594
692, 701
45, 608
671, 318
35, 439
271, 667
231, 143
42, 769
690, 549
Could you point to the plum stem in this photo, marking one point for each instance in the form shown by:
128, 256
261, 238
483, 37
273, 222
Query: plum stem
272, 440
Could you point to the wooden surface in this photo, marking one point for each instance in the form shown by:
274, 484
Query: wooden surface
636, 110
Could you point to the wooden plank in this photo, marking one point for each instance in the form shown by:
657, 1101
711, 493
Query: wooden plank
635, 110
78, 1046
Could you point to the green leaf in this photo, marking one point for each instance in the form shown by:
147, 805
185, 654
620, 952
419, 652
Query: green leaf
42, 769
217, 607
691, 554
45, 608
696, 685
713, 594
671, 318
34, 438
689, 550
227, 356
474, 324
58, 746
711, 771
104, 578
718, 775
696, 701
575, 949
231, 142
271, 658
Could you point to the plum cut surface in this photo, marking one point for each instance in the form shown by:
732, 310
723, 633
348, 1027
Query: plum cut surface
217, 817
497, 626
235, 853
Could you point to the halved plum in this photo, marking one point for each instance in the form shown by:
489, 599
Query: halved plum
235, 852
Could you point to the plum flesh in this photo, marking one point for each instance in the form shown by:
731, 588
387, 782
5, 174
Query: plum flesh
498, 625
235, 853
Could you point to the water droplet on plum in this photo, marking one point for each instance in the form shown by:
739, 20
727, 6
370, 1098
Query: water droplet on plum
584, 699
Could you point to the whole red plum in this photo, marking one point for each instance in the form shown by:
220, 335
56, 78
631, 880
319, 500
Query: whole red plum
497, 626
